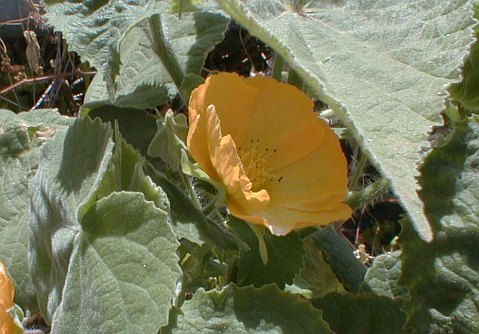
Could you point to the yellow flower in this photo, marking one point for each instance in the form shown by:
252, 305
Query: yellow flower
7, 291
280, 165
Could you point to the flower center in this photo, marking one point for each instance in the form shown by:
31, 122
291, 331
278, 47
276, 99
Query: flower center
256, 165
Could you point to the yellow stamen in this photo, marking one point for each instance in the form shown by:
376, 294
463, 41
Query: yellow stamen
256, 165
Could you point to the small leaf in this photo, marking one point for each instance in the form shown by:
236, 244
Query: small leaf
189, 222
317, 274
137, 127
236, 310
382, 277
443, 276
361, 313
285, 257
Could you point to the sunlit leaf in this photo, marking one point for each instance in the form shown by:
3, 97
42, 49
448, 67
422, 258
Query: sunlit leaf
142, 50
21, 137
236, 310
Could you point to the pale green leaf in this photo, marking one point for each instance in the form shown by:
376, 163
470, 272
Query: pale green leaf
317, 275
381, 65
71, 169
362, 313
443, 276
123, 269
143, 51
382, 277
21, 137
236, 310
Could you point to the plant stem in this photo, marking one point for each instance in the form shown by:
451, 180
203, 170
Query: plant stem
163, 49
295, 79
358, 172
278, 67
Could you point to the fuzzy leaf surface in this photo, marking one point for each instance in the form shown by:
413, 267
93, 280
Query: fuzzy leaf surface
123, 269
118, 38
381, 65
245, 310
361, 313
383, 276
443, 276
102, 251
21, 137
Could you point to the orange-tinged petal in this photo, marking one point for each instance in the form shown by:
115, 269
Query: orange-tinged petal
222, 162
231, 97
282, 118
7, 291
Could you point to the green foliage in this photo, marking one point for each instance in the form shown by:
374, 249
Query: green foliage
21, 137
382, 278
443, 276
361, 313
108, 226
143, 50
378, 64
285, 257
248, 310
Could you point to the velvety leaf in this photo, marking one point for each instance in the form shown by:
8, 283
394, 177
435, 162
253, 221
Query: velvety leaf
170, 139
382, 277
248, 310
361, 313
21, 137
72, 166
189, 222
340, 257
123, 269
381, 65
102, 250
143, 51
443, 276
467, 91
285, 257
137, 127
317, 275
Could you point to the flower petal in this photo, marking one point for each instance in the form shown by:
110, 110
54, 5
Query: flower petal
220, 160
7, 291
232, 98
282, 118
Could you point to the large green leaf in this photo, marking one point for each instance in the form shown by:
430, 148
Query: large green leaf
362, 313
248, 310
21, 137
443, 276
72, 166
142, 50
381, 65
102, 251
123, 269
